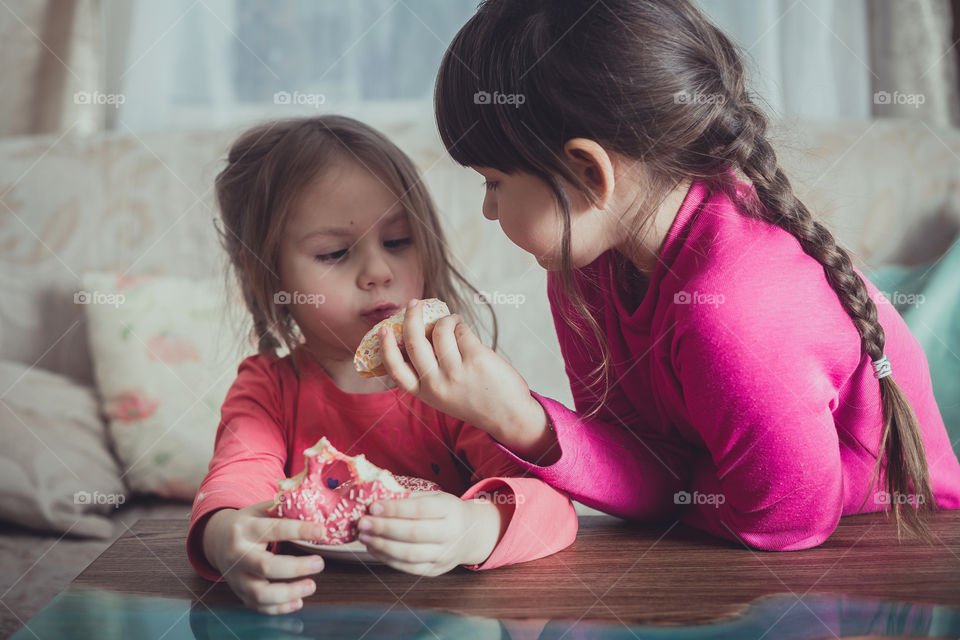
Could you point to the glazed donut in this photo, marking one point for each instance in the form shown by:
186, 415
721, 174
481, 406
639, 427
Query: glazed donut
368, 359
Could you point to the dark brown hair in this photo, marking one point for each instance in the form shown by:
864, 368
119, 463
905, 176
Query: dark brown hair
654, 81
269, 165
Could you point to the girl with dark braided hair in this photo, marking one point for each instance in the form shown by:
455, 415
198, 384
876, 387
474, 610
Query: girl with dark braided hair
730, 366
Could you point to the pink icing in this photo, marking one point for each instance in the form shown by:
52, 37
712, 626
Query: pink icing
335, 490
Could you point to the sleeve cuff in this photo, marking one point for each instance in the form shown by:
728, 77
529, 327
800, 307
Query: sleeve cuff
563, 422
542, 520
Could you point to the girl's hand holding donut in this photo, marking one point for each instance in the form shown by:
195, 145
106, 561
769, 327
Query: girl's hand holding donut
460, 376
430, 534
235, 543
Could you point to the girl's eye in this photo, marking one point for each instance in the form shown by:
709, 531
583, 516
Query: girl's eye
396, 244
331, 257
490, 186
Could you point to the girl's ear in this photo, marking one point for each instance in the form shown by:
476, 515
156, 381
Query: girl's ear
593, 165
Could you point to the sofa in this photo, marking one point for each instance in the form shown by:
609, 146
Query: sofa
111, 273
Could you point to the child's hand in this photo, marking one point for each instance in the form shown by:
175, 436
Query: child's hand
432, 533
235, 543
462, 377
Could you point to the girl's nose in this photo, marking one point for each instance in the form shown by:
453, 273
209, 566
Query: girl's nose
375, 272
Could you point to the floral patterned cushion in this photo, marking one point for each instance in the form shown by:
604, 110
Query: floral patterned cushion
165, 351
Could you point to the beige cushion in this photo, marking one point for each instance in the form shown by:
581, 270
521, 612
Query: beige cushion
888, 189
57, 472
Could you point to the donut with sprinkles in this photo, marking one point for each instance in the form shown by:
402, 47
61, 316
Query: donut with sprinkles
368, 360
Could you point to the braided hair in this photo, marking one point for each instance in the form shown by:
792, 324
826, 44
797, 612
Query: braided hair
654, 81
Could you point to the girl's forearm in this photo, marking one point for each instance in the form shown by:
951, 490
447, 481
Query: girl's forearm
530, 436
210, 538
491, 520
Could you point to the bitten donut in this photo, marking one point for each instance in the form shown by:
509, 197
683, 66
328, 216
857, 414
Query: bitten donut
335, 490
368, 359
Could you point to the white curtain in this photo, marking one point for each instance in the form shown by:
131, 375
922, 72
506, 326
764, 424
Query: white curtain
177, 63
203, 63
805, 58
51, 56
213, 63
915, 60
831, 59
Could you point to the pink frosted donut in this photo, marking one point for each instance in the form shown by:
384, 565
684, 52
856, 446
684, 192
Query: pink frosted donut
334, 490
368, 360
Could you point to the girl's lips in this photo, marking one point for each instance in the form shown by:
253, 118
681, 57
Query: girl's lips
382, 313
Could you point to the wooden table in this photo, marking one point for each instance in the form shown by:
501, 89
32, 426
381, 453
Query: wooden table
615, 571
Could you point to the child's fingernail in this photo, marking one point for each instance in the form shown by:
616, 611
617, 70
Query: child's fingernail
365, 525
412, 304
376, 508
317, 565
365, 538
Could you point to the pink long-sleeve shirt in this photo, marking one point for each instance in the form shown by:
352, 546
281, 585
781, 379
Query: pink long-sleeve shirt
271, 415
741, 401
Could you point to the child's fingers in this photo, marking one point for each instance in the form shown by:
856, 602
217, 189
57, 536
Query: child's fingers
281, 567
403, 530
467, 340
397, 368
274, 609
445, 344
417, 569
281, 609
432, 506
402, 551
418, 348
263, 593
267, 530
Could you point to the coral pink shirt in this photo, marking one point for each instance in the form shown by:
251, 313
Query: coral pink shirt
271, 415
742, 403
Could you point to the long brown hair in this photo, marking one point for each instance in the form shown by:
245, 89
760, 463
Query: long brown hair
269, 165
655, 81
